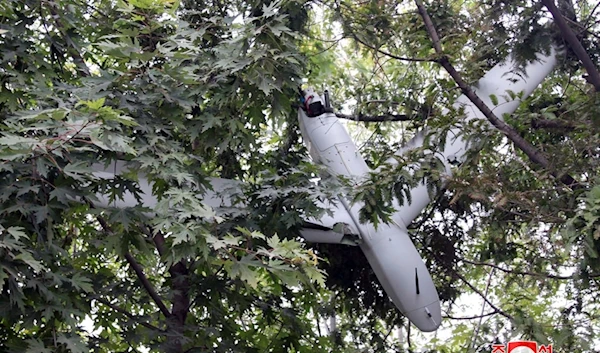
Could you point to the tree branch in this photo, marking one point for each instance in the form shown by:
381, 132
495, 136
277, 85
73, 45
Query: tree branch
140, 274
181, 288
533, 153
552, 124
477, 291
158, 239
570, 37
435, 39
146, 283
498, 310
408, 343
375, 118
476, 332
470, 317
524, 273
128, 314
181, 306
591, 15
397, 57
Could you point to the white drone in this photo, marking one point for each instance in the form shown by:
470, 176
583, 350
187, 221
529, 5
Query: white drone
388, 248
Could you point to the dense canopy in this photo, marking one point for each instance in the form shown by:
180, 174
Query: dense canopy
189, 90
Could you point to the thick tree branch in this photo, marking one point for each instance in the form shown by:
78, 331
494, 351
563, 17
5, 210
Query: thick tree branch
435, 39
533, 153
146, 283
180, 308
181, 293
575, 44
158, 239
128, 314
375, 118
552, 124
140, 274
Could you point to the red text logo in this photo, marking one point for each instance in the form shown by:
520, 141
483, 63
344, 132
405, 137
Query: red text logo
521, 347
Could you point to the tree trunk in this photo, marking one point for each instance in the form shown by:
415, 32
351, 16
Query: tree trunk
181, 305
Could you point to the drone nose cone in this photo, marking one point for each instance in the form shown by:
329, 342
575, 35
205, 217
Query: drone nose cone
403, 275
427, 318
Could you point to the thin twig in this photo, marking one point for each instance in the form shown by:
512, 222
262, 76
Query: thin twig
375, 118
128, 314
274, 338
591, 15
397, 57
462, 278
478, 292
75, 54
328, 47
524, 273
476, 331
494, 312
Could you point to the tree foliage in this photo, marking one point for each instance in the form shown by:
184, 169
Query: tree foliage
185, 91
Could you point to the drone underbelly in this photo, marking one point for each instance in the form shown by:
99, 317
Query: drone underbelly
403, 275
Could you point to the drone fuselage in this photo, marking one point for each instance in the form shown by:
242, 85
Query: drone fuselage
388, 248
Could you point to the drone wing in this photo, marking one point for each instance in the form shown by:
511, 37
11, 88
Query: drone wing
335, 227
502, 89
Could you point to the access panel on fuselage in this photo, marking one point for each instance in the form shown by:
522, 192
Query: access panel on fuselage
330, 145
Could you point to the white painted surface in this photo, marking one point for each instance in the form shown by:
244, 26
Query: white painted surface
389, 250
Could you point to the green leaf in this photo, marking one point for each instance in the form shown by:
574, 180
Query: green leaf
13, 140
27, 258
77, 170
17, 233
82, 283
246, 272
180, 236
73, 343
3, 275
95, 104
315, 274
494, 99
36, 346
